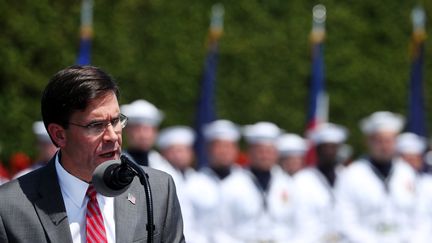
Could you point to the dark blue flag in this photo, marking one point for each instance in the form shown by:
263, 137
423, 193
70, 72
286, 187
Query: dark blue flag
84, 52
416, 111
206, 112
317, 109
416, 106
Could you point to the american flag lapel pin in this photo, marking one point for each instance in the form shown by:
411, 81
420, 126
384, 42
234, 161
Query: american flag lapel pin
131, 198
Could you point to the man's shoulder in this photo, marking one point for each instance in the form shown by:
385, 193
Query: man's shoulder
29, 180
202, 181
152, 171
155, 175
306, 175
241, 180
305, 172
9, 188
21, 192
359, 166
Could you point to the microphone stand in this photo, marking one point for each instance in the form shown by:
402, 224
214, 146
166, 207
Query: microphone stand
143, 177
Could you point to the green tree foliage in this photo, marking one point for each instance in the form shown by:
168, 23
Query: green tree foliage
156, 48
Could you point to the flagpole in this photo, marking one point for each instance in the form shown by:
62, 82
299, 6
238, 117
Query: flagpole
86, 32
319, 16
206, 112
418, 18
216, 22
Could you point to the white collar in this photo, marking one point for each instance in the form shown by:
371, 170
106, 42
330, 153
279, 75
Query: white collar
73, 187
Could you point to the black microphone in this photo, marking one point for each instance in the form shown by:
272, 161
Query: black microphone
113, 177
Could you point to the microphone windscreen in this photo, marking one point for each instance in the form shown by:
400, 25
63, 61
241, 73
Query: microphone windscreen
100, 176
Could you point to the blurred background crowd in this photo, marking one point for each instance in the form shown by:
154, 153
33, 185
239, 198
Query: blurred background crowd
283, 187
243, 123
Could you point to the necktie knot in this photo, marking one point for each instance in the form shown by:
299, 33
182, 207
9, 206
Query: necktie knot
91, 192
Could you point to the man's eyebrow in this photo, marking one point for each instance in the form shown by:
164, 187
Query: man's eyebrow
103, 120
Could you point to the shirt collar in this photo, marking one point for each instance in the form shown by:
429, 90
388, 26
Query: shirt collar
71, 186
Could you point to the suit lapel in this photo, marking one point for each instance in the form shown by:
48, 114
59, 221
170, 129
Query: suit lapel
50, 206
126, 213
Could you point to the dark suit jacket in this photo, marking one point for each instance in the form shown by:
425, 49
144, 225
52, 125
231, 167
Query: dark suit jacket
32, 210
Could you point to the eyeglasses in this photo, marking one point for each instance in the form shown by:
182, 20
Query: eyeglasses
98, 127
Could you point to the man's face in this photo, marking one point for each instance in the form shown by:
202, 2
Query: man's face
413, 159
382, 145
263, 156
81, 150
292, 163
141, 136
222, 153
327, 153
180, 156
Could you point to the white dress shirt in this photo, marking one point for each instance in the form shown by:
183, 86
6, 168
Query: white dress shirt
73, 191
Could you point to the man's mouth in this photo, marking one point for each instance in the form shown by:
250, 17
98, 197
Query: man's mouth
108, 155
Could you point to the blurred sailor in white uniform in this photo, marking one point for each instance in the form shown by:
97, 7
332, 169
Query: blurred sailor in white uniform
176, 146
377, 193
204, 188
141, 132
315, 185
411, 149
292, 149
259, 202
45, 148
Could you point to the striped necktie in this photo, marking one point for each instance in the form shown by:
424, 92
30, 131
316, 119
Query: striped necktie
94, 221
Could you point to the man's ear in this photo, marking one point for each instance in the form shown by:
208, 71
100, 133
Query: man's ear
57, 134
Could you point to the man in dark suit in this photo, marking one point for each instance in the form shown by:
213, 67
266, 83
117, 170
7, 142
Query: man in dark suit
81, 113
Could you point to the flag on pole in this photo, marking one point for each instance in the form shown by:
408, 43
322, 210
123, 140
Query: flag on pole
318, 98
206, 111
416, 105
86, 33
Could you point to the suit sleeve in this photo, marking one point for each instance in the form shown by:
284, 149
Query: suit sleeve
173, 226
3, 235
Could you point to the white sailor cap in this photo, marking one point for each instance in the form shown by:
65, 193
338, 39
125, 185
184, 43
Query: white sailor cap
176, 135
142, 112
382, 121
221, 130
261, 132
40, 131
328, 133
291, 144
410, 143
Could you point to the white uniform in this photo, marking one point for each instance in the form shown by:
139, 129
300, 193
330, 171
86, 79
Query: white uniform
423, 225
205, 194
372, 210
180, 180
255, 216
316, 208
